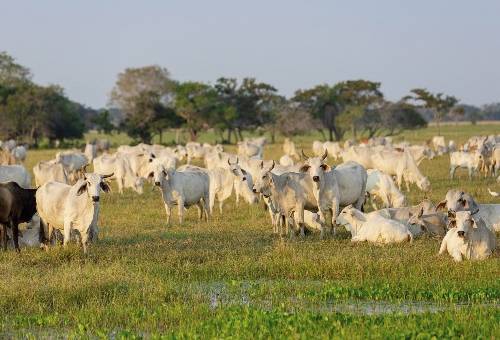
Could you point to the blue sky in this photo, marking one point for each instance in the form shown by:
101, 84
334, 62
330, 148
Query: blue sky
443, 45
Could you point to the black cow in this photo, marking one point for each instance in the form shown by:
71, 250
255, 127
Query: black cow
17, 205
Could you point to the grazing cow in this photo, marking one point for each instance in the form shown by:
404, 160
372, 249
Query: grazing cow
457, 200
382, 186
460, 159
49, 171
184, 189
119, 166
90, 152
468, 237
375, 228
19, 154
17, 205
289, 149
332, 188
288, 195
420, 152
65, 207
15, 173
403, 166
74, 163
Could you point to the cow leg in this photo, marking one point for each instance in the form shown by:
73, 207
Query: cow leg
221, 202
335, 210
206, 206
4, 237
84, 241
15, 235
180, 210
67, 233
452, 171
168, 210
120, 181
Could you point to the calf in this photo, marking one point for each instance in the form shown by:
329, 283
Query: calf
468, 237
17, 205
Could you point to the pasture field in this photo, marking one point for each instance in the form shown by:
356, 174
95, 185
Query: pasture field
231, 277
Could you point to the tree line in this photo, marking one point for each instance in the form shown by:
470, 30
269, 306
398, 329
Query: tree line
147, 101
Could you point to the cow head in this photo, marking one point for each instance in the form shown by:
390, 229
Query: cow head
158, 173
315, 167
417, 220
243, 180
463, 221
263, 181
92, 184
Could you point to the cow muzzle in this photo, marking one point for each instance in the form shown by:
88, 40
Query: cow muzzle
316, 178
95, 199
157, 184
461, 233
254, 190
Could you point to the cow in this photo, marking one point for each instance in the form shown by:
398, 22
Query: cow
286, 160
420, 152
243, 183
458, 200
375, 228
249, 149
403, 166
49, 171
17, 205
184, 189
90, 152
19, 153
495, 160
468, 237
289, 149
119, 166
318, 148
6, 158
333, 148
439, 145
382, 186
468, 160
332, 188
71, 207
288, 194
74, 163
15, 173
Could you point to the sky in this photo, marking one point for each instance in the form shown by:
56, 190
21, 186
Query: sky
450, 46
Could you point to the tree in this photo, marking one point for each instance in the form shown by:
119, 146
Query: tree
195, 102
439, 103
143, 95
103, 122
292, 120
398, 116
340, 106
11, 72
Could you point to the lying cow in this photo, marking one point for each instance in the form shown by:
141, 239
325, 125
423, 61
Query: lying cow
468, 237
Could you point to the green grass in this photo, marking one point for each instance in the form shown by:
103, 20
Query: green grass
232, 278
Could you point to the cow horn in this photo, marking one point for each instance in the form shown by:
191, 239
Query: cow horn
262, 164
304, 156
107, 176
324, 155
272, 166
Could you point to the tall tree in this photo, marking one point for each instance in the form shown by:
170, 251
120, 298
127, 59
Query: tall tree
143, 95
439, 103
11, 72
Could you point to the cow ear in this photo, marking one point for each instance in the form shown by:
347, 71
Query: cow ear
441, 205
325, 167
451, 214
105, 186
82, 189
304, 168
243, 172
452, 224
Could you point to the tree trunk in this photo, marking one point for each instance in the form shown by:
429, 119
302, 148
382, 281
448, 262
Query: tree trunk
177, 135
229, 133
160, 132
193, 134
240, 135
330, 134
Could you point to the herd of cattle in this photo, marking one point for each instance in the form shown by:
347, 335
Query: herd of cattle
301, 193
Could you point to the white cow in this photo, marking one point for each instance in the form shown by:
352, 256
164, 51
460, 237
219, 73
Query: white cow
289, 149
249, 149
457, 200
243, 183
420, 152
332, 188
318, 148
119, 166
333, 148
468, 237
90, 152
375, 228
49, 171
403, 166
65, 207
439, 145
74, 163
382, 186
184, 189
468, 160
15, 173
361, 155
286, 160
19, 154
